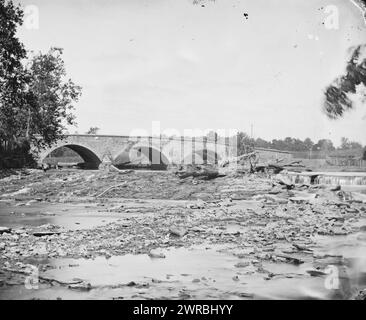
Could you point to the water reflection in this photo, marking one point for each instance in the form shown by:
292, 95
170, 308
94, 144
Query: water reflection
68, 216
209, 273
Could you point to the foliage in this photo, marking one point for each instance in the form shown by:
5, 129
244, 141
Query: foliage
324, 145
245, 144
51, 98
346, 144
93, 130
12, 74
36, 98
338, 97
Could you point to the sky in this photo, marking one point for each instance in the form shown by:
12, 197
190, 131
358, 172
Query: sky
203, 64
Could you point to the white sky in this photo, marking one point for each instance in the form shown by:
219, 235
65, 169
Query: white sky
190, 67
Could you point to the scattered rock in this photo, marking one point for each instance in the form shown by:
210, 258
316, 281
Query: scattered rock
301, 248
241, 264
155, 254
30, 202
245, 295
200, 204
45, 233
82, 286
316, 273
197, 229
5, 230
291, 259
178, 232
361, 295
284, 180
21, 191
351, 210
336, 188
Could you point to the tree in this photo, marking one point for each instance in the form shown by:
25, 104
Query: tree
324, 145
12, 73
308, 144
355, 145
346, 144
92, 130
51, 98
212, 135
337, 95
245, 144
261, 143
278, 144
36, 99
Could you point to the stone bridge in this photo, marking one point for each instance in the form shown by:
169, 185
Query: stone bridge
157, 151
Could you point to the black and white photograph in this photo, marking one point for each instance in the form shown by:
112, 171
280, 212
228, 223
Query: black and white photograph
199, 151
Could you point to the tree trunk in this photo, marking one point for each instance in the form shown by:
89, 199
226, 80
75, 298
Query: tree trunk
28, 125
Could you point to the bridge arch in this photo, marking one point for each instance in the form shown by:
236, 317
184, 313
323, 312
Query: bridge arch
202, 156
142, 155
91, 159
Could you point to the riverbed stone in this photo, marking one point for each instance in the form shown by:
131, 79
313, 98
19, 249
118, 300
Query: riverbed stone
5, 230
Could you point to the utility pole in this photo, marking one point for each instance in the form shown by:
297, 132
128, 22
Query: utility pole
251, 135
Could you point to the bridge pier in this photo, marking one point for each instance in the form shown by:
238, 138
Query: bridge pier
204, 154
105, 165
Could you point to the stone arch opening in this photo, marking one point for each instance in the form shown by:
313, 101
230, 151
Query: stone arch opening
143, 157
203, 156
82, 156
